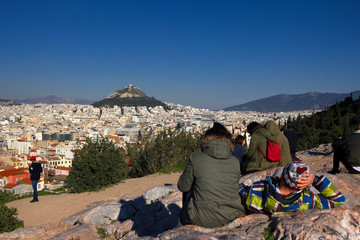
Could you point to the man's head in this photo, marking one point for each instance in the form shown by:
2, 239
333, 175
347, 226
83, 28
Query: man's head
292, 172
252, 127
33, 159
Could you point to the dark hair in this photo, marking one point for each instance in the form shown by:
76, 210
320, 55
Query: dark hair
239, 140
251, 127
218, 130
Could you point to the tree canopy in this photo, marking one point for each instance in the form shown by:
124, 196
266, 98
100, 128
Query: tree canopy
98, 164
328, 125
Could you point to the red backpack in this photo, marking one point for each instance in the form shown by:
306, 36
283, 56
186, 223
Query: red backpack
273, 151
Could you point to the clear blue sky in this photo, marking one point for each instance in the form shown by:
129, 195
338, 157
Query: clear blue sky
211, 54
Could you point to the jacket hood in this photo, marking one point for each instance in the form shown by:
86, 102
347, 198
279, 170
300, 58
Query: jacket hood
264, 132
217, 149
272, 127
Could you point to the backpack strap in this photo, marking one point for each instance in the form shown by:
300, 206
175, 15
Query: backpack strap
262, 153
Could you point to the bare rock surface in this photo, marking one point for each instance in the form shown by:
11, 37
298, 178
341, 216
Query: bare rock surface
154, 215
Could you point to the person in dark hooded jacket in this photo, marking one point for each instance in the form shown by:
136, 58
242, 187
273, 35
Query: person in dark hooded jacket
211, 180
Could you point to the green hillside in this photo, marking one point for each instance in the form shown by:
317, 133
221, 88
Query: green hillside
135, 102
324, 127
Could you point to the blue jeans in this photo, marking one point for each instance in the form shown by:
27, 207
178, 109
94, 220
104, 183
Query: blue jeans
34, 185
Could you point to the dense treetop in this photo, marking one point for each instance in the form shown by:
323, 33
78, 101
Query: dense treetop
328, 125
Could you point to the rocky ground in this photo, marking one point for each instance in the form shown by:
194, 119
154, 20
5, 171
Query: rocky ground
54, 208
154, 214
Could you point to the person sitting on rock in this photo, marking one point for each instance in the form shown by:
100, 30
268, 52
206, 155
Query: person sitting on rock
347, 151
239, 148
254, 160
211, 181
282, 140
290, 192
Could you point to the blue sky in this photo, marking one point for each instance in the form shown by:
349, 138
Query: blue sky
208, 54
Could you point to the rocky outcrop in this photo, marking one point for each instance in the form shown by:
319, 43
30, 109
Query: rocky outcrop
154, 215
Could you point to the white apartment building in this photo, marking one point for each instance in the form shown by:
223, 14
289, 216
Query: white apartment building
12, 143
23, 146
63, 149
59, 161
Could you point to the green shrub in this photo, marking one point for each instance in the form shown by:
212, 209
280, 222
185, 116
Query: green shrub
8, 220
98, 164
6, 197
168, 148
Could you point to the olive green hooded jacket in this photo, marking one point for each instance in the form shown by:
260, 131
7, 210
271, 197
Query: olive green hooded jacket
283, 142
255, 161
213, 177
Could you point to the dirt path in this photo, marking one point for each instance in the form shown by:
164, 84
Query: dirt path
53, 208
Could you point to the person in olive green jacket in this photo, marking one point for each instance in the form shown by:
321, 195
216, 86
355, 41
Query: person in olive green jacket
211, 179
282, 140
254, 160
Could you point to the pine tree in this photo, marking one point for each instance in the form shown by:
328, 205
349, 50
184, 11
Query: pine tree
326, 126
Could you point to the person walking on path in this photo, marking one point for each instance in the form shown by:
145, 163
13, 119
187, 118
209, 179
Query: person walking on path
347, 151
35, 170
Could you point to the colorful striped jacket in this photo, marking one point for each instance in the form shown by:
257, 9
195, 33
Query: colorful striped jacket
262, 197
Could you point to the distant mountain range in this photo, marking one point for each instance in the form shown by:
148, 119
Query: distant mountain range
133, 96
129, 96
55, 100
4, 102
293, 102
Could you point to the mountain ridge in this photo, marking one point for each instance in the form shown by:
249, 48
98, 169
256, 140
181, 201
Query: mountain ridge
4, 102
293, 102
52, 99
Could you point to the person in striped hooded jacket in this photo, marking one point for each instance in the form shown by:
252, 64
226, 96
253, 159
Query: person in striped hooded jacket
290, 192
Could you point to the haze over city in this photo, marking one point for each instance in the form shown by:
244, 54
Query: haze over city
207, 54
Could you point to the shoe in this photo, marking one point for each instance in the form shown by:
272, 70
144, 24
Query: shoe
334, 171
34, 200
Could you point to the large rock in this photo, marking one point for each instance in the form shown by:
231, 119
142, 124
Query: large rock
318, 224
83, 231
301, 225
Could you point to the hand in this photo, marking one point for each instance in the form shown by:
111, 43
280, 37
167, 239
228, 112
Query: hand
305, 180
